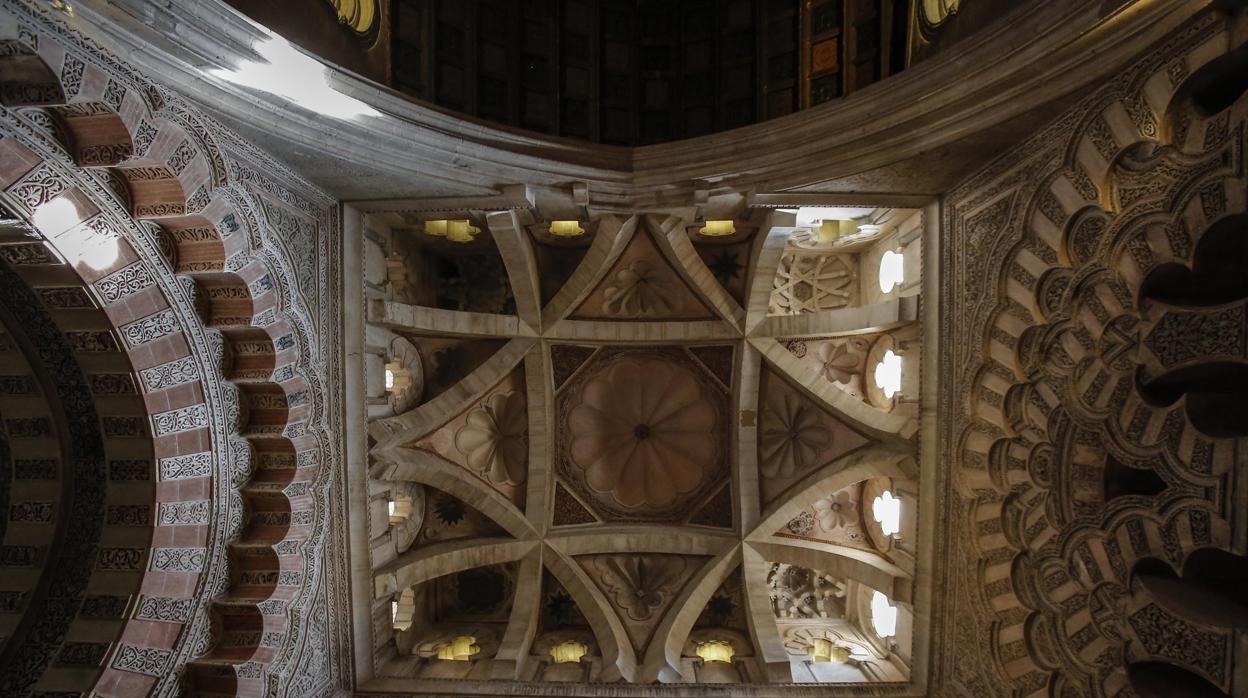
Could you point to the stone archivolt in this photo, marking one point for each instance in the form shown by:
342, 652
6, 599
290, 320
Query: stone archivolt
1093, 442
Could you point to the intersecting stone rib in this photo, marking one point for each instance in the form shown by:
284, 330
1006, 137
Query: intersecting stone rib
878, 317
432, 470
395, 431
451, 323
516, 248
423, 564
673, 242
609, 242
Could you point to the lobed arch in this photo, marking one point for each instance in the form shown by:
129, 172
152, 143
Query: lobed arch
199, 295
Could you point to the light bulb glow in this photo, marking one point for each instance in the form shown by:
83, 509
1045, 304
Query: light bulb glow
566, 229
892, 270
823, 650
883, 615
568, 652
717, 228
887, 512
458, 650
715, 651
287, 72
888, 374
455, 230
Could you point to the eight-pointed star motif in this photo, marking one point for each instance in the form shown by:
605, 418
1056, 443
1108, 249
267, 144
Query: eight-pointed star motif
644, 432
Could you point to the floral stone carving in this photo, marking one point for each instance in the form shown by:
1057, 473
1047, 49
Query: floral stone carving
640, 585
792, 436
493, 439
638, 290
644, 432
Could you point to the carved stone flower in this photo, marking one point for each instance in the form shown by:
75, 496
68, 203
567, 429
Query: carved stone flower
792, 435
644, 433
493, 439
637, 290
840, 362
641, 584
835, 511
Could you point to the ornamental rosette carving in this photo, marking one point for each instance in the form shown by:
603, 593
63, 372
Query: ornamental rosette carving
792, 436
638, 290
644, 433
640, 585
494, 438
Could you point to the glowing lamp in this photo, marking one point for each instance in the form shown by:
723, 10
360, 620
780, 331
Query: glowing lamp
715, 651
459, 649
831, 230
455, 230
717, 228
824, 651
568, 652
566, 229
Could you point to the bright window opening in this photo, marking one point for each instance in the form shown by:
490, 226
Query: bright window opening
390, 505
887, 512
394, 610
892, 270
883, 615
81, 245
389, 380
888, 374
715, 651
568, 652
459, 650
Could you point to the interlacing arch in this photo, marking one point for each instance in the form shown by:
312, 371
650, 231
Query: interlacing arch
545, 537
93, 156
1085, 452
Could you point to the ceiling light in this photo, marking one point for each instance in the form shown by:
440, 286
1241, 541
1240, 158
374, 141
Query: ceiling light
459, 650
823, 650
892, 271
566, 229
713, 229
455, 230
715, 651
568, 652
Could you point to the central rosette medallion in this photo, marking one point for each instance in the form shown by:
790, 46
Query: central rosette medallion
643, 432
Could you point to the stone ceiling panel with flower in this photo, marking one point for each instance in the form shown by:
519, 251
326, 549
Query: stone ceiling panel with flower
634, 454
642, 433
643, 285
